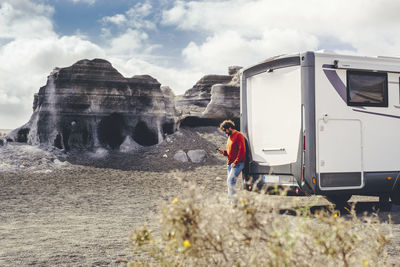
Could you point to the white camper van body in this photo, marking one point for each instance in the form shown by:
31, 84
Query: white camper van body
330, 121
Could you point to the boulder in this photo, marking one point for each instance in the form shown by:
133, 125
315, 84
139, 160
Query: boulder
197, 155
90, 104
181, 156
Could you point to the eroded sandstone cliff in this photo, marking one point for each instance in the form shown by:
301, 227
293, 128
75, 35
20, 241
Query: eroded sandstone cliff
90, 104
212, 99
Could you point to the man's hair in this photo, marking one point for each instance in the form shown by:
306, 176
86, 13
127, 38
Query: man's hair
226, 124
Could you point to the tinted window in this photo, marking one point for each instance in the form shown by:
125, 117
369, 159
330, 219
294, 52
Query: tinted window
367, 88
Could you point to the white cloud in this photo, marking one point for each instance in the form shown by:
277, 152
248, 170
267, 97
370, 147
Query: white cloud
22, 18
118, 19
132, 37
128, 43
370, 27
140, 10
230, 48
136, 17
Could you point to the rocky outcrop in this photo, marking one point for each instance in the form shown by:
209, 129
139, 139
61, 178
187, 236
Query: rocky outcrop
225, 102
196, 99
209, 103
90, 104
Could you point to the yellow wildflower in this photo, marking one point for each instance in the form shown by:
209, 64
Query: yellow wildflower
365, 263
335, 215
175, 201
186, 243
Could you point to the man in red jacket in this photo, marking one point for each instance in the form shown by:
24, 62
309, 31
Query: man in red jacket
236, 153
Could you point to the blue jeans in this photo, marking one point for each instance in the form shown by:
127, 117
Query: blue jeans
233, 173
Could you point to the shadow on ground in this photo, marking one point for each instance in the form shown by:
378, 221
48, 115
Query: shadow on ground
361, 209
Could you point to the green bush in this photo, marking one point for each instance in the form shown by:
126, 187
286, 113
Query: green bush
257, 232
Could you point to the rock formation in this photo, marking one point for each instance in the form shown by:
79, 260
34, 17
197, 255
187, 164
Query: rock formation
90, 104
225, 102
196, 99
211, 100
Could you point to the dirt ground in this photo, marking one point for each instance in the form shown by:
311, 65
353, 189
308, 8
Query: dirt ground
79, 209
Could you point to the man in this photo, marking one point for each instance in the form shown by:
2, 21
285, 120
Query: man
236, 153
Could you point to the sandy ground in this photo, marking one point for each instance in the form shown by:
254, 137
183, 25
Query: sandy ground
84, 215
79, 209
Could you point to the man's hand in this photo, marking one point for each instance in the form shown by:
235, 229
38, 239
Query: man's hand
233, 165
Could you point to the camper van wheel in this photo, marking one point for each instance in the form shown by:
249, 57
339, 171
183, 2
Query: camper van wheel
384, 204
395, 197
339, 200
252, 182
247, 185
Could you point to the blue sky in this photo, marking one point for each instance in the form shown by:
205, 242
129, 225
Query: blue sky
72, 17
176, 41
88, 18
69, 16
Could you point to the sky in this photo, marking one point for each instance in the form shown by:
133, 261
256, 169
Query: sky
176, 41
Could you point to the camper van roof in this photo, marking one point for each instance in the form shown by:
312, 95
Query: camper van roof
330, 52
281, 56
377, 63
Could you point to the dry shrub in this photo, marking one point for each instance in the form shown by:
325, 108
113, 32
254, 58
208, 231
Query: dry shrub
258, 231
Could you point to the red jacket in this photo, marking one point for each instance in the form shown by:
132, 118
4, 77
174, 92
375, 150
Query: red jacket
235, 148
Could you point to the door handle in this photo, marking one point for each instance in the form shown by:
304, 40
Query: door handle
274, 150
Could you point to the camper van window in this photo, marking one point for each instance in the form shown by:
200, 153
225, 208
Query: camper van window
367, 88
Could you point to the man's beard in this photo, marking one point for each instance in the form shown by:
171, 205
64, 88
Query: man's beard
229, 132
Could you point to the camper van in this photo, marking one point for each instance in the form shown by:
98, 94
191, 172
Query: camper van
324, 123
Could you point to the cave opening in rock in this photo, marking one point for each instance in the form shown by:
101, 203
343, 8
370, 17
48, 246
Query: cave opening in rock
143, 135
74, 134
66, 131
58, 141
110, 130
22, 135
168, 127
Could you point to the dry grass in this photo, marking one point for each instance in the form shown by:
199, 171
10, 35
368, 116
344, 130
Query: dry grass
257, 231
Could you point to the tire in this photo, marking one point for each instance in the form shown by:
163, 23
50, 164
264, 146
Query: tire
252, 183
247, 185
339, 200
384, 204
395, 197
